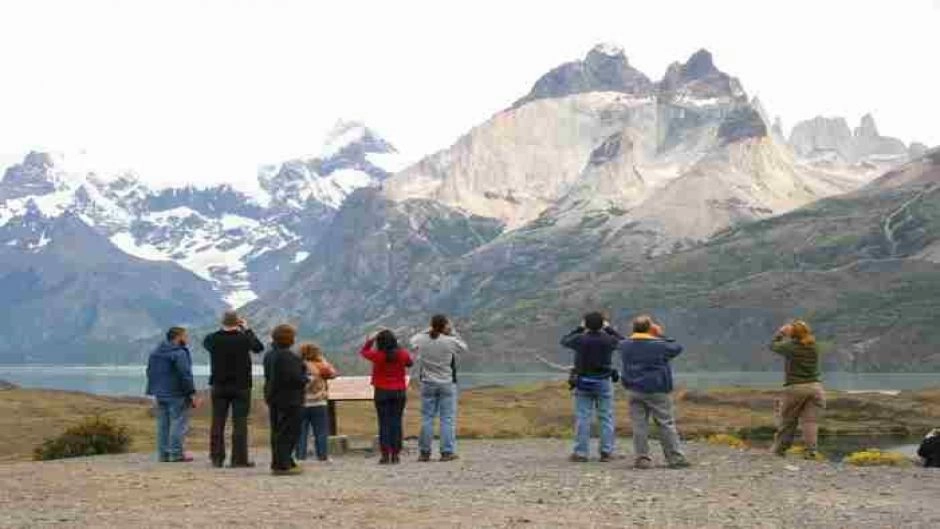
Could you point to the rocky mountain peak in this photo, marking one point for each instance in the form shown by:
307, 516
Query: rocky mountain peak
605, 68
33, 177
699, 77
867, 128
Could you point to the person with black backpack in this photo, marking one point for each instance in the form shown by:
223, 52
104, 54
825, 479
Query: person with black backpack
230, 351
593, 376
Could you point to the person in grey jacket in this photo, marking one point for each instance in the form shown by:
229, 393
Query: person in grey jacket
438, 350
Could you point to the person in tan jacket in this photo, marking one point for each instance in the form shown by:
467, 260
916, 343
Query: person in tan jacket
315, 414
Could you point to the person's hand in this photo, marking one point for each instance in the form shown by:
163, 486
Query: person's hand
449, 329
657, 330
242, 323
195, 402
786, 330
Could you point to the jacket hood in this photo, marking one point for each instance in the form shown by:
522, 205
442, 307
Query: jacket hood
168, 347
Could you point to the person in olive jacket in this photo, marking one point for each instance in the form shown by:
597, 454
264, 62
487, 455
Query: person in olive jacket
285, 381
804, 397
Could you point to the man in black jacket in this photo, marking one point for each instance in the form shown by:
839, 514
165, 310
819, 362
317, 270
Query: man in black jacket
230, 377
593, 344
285, 381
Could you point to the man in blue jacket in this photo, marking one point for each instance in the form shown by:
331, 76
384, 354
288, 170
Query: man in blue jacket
647, 375
170, 382
593, 343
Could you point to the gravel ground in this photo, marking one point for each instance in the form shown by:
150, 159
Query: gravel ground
522, 483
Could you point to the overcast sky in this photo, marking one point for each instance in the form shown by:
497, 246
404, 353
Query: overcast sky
200, 91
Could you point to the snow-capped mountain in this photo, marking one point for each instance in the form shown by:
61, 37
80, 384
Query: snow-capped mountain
241, 244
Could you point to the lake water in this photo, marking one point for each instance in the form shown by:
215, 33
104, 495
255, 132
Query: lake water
129, 380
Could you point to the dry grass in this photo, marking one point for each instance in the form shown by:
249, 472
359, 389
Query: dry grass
537, 410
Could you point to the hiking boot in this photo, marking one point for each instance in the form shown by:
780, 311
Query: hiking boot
185, 458
424, 457
247, 464
448, 456
643, 463
575, 458
385, 459
606, 458
396, 459
678, 463
217, 463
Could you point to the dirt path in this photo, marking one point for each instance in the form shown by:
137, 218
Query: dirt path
523, 483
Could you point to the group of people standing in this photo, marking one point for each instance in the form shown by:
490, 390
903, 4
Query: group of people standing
296, 391
646, 357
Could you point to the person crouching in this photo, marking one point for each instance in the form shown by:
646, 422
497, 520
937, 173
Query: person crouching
285, 379
647, 375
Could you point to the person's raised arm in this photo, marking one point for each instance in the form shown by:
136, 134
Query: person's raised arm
613, 332
367, 351
571, 339
406, 360
254, 343
327, 371
673, 349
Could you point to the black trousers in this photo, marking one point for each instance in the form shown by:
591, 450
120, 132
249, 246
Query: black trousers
390, 408
285, 432
239, 402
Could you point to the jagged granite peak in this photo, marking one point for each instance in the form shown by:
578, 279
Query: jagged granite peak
699, 78
604, 69
822, 136
867, 128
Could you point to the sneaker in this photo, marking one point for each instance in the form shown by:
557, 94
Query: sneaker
643, 463
217, 464
575, 458
448, 456
324, 459
606, 458
185, 458
425, 457
385, 459
679, 462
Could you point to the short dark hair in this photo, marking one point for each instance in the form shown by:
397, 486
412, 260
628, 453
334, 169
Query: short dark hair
174, 333
642, 323
594, 321
284, 335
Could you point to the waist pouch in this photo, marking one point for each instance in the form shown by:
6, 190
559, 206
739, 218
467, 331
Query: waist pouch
590, 384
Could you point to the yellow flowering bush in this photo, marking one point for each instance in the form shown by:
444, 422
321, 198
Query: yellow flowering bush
800, 451
724, 439
873, 457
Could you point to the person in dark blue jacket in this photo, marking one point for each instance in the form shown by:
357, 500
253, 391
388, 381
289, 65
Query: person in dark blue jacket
647, 375
170, 382
593, 343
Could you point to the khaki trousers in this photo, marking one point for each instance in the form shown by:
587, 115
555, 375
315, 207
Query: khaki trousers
800, 405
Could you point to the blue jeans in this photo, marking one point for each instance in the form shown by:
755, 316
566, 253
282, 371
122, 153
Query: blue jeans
172, 425
438, 400
315, 418
586, 402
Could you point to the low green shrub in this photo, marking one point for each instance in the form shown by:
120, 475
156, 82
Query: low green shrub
92, 436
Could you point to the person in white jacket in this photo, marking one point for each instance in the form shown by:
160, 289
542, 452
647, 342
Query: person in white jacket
438, 350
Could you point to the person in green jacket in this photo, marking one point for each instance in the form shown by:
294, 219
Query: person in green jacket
804, 396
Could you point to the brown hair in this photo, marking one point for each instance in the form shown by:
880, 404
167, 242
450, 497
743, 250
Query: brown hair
801, 333
310, 352
642, 323
284, 335
438, 324
175, 332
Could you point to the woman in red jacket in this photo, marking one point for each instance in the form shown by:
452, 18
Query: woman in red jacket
389, 377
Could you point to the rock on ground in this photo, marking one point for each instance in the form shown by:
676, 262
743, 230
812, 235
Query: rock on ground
517, 483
